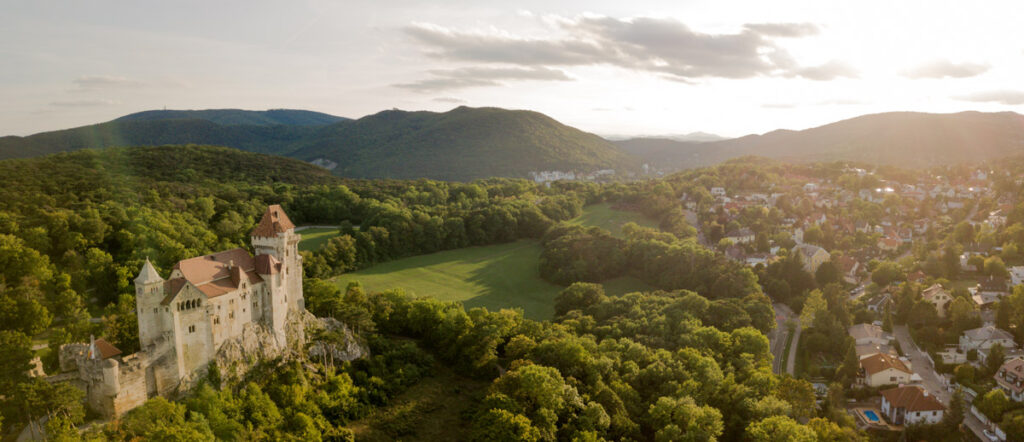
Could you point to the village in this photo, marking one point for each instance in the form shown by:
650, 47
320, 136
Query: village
927, 264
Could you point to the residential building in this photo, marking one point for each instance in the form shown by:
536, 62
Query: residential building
812, 256
983, 338
938, 297
1016, 275
850, 269
741, 236
869, 334
992, 285
1010, 378
865, 350
882, 369
889, 244
911, 405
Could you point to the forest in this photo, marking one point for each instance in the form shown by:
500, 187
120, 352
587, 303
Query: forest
689, 361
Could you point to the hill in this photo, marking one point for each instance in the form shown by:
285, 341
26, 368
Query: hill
895, 138
461, 144
235, 117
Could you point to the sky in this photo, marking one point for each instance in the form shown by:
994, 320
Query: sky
610, 67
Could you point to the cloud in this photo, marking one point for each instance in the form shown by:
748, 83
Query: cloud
841, 102
828, 71
659, 45
1005, 96
449, 79
946, 68
784, 29
83, 103
778, 105
97, 82
449, 100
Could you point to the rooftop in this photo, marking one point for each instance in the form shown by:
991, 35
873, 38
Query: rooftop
912, 398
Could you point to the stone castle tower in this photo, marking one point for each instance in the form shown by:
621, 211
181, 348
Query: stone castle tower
230, 297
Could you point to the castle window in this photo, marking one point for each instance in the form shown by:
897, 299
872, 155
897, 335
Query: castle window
216, 320
231, 315
154, 309
191, 329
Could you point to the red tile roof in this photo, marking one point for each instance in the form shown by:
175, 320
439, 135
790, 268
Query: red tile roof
215, 274
274, 221
912, 398
879, 362
106, 349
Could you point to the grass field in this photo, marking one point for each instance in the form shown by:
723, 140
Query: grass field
603, 216
495, 277
315, 237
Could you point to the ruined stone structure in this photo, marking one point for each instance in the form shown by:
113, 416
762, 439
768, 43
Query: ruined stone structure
228, 308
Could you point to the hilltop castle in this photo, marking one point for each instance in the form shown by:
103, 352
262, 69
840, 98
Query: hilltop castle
225, 308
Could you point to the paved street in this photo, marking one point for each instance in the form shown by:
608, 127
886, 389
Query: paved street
783, 363
931, 381
920, 364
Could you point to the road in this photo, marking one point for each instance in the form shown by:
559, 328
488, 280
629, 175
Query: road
921, 365
931, 380
783, 363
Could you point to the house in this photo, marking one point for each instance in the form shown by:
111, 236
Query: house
983, 338
882, 369
1010, 378
911, 405
849, 268
938, 297
878, 303
759, 258
865, 350
869, 334
862, 226
812, 256
889, 244
717, 191
1016, 275
993, 286
741, 236
917, 276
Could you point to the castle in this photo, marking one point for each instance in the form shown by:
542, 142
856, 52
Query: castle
225, 307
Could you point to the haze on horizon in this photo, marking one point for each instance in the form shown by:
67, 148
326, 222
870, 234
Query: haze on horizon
729, 68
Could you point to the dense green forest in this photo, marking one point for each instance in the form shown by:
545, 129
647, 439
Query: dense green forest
688, 362
461, 145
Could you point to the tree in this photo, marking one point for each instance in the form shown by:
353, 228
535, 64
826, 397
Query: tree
827, 273
16, 349
954, 416
799, 394
995, 359
886, 273
578, 296
158, 419
779, 429
814, 306
994, 266
993, 404
503, 426
683, 420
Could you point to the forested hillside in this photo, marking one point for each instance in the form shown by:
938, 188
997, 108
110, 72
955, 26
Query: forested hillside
690, 360
460, 145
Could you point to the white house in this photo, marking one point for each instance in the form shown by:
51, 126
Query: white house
911, 405
1016, 275
717, 191
983, 338
881, 369
740, 236
869, 334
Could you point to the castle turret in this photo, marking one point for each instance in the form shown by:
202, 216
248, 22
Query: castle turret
149, 292
275, 236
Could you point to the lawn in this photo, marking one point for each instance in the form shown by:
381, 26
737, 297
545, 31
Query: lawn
315, 237
495, 277
603, 216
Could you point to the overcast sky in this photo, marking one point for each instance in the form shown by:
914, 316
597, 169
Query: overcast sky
609, 67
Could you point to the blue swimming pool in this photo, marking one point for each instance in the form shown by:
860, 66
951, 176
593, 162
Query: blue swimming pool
871, 415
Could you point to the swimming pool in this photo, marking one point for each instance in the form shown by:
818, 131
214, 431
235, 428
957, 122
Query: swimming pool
871, 415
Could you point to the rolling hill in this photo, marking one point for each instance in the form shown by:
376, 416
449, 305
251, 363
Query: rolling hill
461, 144
896, 138
234, 117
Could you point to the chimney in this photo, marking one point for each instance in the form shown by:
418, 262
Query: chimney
925, 392
231, 264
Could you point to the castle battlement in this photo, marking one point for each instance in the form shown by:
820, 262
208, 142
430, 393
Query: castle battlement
208, 302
